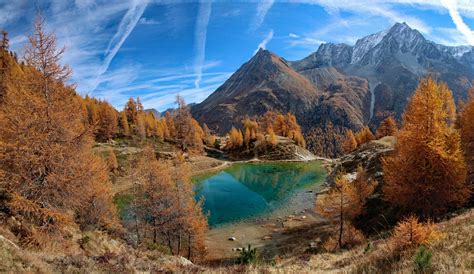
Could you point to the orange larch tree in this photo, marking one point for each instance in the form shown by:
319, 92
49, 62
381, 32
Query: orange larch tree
46, 158
388, 127
350, 143
427, 173
365, 135
342, 204
466, 125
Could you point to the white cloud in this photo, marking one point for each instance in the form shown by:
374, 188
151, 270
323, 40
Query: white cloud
452, 7
126, 26
262, 8
264, 42
204, 14
292, 35
146, 21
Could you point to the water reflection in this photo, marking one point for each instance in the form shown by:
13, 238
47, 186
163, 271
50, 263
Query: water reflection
248, 190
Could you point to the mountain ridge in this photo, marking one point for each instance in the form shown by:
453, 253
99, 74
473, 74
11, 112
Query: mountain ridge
346, 86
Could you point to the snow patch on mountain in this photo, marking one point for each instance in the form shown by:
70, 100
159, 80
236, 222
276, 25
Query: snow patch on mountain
365, 44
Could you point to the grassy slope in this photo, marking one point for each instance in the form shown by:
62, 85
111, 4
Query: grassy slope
454, 253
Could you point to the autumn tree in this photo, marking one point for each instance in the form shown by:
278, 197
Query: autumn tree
350, 143
124, 126
235, 139
388, 127
342, 204
167, 208
271, 137
188, 132
170, 125
112, 160
326, 141
209, 139
365, 135
131, 111
107, 127
466, 126
46, 159
410, 233
427, 173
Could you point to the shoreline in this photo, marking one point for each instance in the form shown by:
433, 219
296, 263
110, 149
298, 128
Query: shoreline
269, 232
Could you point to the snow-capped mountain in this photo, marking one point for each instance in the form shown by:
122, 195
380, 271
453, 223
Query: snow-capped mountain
346, 86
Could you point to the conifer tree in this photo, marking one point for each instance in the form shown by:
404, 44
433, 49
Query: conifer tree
427, 173
124, 124
350, 143
364, 136
466, 125
235, 139
388, 127
271, 138
46, 158
342, 204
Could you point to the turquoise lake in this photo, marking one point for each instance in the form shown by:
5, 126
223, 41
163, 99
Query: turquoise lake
248, 190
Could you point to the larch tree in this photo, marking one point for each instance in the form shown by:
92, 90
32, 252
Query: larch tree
235, 139
188, 132
271, 137
46, 159
166, 206
388, 127
365, 135
131, 111
427, 173
108, 122
466, 125
342, 204
124, 126
350, 143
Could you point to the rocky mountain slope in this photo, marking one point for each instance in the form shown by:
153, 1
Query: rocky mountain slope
342, 84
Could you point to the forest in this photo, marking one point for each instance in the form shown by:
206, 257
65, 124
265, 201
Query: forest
52, 181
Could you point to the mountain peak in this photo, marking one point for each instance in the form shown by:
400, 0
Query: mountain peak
403, 30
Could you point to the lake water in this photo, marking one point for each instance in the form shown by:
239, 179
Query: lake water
244, 191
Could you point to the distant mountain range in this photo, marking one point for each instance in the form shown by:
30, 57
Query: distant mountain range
342, 84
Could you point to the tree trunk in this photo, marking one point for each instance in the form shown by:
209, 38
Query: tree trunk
169, 243
341, 221
189, 247
179, 243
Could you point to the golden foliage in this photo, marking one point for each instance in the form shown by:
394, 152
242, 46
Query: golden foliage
427, 173
46, 159
388, 127
350, 143
326, 141
235, 139
166, 207
364, 136
271, 137
344, 202
351, 237
410, 233
466, 125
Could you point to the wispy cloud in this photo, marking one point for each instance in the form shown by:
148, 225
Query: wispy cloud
451, 5
262, 9
264, 42
204, 14
146, 21
128, 23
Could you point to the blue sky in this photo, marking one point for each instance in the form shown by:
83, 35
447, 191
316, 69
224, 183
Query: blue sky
158, 49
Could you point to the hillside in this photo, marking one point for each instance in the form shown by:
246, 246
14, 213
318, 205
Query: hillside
101, 254
347, 86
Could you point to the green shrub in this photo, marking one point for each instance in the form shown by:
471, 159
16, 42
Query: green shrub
248, 256
217, 144
422, 260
